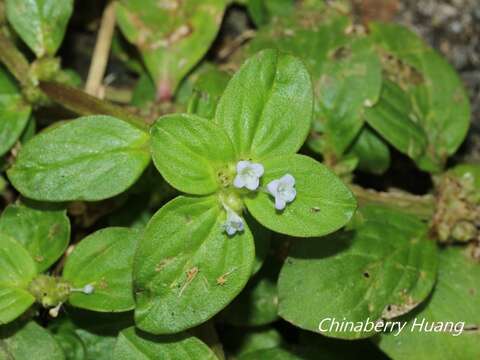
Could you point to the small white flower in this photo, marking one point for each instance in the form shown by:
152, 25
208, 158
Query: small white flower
283, 190
248, 175
53, 312
88, 289
234, 222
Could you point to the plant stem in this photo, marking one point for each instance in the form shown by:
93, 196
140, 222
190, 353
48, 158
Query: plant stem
84, 104
118, 95
14, 60
101, 51
421, 206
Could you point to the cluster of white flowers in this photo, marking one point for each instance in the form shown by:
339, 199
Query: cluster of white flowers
248, 176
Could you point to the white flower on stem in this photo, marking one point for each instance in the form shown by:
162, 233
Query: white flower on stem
88, 289
283, 190
234, 222
248, 175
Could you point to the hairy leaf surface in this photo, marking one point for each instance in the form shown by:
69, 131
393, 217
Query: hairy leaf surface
382, 268
90, 158
186, 268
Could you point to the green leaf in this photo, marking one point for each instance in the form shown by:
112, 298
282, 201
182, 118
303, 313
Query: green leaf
90, 333
306, 37
40, 23
372, 152
17, 270
172, 37
323, 203
29, 341
261, 11
134, 345
267, 106
206, 82
336, 62
440, 103
257, 304
44, 232
104, 260
191, 153
455, 299
14, 112
90, 158
144, 91
390, 117
99, 347
186, 268
471, 171
349, 81
382, 268
241, 341
207, 91
72, 345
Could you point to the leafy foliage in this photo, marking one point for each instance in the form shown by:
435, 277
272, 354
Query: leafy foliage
22, 341
190, 166
457, 277
44, 232
173, 281
40, 23
265, 122
14, 112
171, 36
270, 89
434, 88
103, 260
386, 262
132, 345
17, 270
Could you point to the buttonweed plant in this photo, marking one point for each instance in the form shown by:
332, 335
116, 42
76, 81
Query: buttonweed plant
215, 204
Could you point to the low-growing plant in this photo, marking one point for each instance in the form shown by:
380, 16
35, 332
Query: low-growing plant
215, 210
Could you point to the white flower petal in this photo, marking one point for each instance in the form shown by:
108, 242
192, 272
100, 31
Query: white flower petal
283, 190
288, 179
272, 187
279, 203
252, 183
230, 230
88, 289
242, 165
239, 181
258, 169
240, 226
248, 175
233, 223
290, 195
